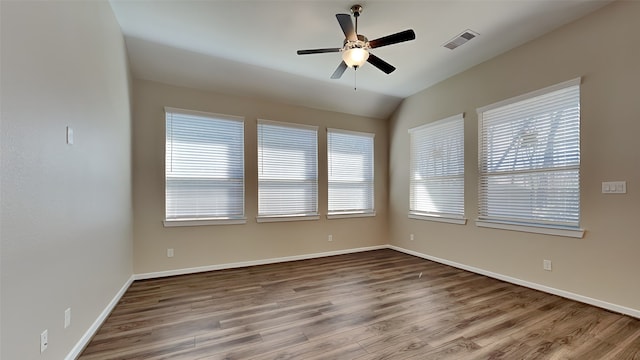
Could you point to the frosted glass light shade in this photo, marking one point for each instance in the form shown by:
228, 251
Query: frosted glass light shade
355, 57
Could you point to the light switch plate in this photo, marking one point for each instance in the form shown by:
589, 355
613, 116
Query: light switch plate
614, 187
69, 135
67, 318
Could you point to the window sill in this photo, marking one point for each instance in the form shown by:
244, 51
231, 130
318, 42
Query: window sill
547, 230
350, 215
266, 219
444, 219
204, 222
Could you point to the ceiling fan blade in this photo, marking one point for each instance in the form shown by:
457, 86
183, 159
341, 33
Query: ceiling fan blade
380, 64
347, 26
318, 51
393, 39
339, 71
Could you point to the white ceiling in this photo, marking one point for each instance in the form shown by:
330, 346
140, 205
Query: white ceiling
249, 48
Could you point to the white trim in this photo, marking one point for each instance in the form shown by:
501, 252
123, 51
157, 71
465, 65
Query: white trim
266, 219
184, 271
548, 89
440, 121
93, 329
289, 124
350, 215
204, 114
351, 132
176, 223
547, 230
565, 294
438, 218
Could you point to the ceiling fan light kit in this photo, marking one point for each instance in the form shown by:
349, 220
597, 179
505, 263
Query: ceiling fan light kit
356, 48
355, 57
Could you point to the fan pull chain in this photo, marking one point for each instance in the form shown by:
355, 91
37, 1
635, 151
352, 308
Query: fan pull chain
356, 14
355, 78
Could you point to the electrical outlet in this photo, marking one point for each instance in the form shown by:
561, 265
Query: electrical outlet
67, 318
330, 238
546, 264
44, 340
170, 252
411, 237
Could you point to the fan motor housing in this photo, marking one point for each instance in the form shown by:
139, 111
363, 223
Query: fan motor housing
362, 43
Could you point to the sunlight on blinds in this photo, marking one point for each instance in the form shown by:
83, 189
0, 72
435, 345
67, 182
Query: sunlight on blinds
287, 169
350, 166
204, 166
530, 158
436, 183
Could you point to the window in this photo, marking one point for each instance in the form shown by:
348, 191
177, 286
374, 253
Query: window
204, 168
350, 167
436, 184
287, 171
529, 149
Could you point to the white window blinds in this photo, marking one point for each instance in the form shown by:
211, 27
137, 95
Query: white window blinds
436, 183
529, 151
204, 166
287, 170
350, 167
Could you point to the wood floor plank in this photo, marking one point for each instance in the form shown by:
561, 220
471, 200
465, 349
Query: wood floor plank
266, 346
453, 349
506, 348
401, 345
629, 351
377, 305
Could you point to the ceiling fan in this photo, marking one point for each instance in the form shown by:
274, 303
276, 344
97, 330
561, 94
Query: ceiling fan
356, 48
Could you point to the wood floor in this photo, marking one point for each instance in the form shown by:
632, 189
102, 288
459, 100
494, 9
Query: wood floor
364, 306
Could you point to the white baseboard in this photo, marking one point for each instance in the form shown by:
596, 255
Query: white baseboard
84, 340
193, 270
566, 294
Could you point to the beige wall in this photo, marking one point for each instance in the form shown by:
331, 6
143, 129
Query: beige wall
604, 264
66, 214
66, 218
223, 244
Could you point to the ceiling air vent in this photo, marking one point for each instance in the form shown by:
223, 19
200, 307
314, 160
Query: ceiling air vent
460, 39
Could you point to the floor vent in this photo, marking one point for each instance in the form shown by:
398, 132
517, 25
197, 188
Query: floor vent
460, 39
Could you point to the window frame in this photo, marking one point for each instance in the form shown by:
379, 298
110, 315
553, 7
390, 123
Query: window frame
451, 218
539, 227
314, 215
213, 220
351, 213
